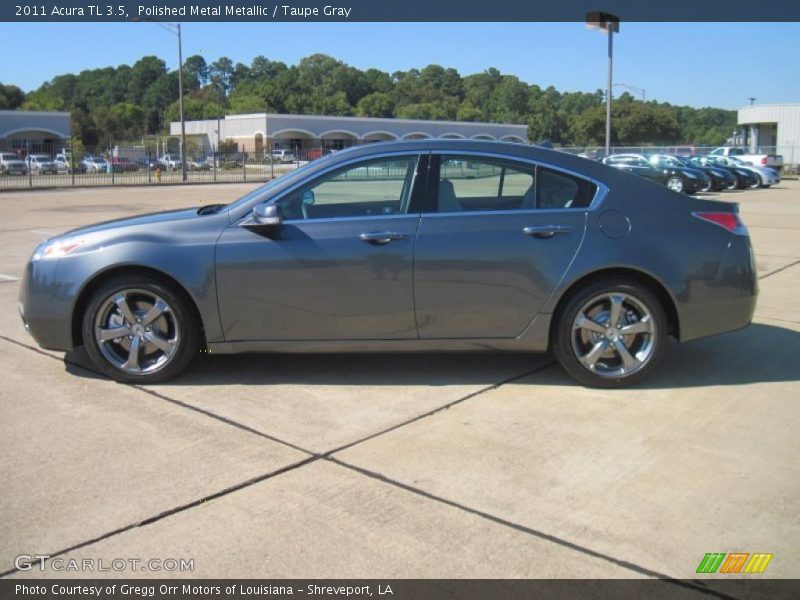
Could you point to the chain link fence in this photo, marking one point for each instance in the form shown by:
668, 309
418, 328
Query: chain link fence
76, 165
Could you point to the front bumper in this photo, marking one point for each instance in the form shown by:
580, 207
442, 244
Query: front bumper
45, 306
695, 185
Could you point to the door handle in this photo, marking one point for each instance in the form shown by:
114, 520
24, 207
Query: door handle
546, 231
381, 237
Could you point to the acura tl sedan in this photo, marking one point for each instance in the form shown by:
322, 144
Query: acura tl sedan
430, 245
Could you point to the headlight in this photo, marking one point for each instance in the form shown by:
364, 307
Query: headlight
56, 248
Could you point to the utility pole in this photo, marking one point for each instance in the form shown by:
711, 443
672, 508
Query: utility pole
175, 29
610, 24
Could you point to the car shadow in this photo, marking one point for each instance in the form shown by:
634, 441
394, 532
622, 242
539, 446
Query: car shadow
757, 354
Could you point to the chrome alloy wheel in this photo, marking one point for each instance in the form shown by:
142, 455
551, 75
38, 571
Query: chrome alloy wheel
675, 184
614, 335
136, 331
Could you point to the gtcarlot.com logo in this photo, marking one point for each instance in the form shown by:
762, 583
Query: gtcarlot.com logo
43, 562
735, 562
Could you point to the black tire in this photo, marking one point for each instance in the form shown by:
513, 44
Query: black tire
184, 318
757, 184
735, 184
564, 346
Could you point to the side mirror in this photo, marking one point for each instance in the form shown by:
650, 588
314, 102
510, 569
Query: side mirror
268, 215
308, 197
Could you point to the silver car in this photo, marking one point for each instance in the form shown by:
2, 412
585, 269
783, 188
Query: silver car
427, 245
11, 164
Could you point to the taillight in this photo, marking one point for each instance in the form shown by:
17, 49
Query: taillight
728, 220
763, 160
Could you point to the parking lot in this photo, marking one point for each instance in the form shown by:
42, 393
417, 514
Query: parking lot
448, 465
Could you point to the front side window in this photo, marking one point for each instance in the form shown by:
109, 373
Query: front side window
370, 188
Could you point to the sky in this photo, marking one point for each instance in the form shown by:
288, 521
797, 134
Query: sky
695, 64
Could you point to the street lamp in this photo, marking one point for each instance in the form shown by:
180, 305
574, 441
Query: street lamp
631, 88
175, 29
610, 24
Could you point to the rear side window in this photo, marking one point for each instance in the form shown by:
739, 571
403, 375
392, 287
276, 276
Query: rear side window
469, 183
555, 189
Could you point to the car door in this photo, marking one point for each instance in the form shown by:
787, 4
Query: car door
495, 238
341, 265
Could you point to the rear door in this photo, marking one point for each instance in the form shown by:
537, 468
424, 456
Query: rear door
494, 240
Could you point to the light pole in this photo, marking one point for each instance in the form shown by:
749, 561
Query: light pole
631, 88
175, 29
610, 24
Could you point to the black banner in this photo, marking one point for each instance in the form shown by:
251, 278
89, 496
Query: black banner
398, 589
405, 11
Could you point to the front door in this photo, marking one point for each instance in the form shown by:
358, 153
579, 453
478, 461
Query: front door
340, 267
493, 245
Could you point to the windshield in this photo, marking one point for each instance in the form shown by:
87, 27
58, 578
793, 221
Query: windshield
40, 157
737, 161
670, 161
10, 157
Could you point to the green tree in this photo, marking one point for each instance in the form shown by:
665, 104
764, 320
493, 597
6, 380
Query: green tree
376, 104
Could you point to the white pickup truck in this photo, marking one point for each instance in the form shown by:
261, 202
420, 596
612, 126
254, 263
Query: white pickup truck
774, 161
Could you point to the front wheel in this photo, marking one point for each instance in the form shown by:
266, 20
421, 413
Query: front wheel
611, 333
675, 184
137, 329
757, 183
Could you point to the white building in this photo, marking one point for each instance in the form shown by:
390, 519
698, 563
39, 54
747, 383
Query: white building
772, 126
255, 132
33, 131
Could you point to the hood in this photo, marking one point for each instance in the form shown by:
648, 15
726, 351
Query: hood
698, 173
148, 219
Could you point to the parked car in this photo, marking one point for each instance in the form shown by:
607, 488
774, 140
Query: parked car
765, 176
11, 164
41, 164
64, 164
234, 160
743, 178
385, 248
197, 164
676, 178
170, 162
283, 155
718, 179
95, 164
762, 160
146, 162
120, 164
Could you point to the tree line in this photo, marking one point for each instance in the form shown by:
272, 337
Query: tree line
128, 102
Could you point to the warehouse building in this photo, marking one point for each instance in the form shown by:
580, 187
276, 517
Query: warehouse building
256, 132
33, 131
772, 128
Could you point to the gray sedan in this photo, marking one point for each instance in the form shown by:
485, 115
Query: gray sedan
428, 245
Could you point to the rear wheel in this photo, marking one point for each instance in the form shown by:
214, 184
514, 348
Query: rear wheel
137, 329
611, 333
675, 184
